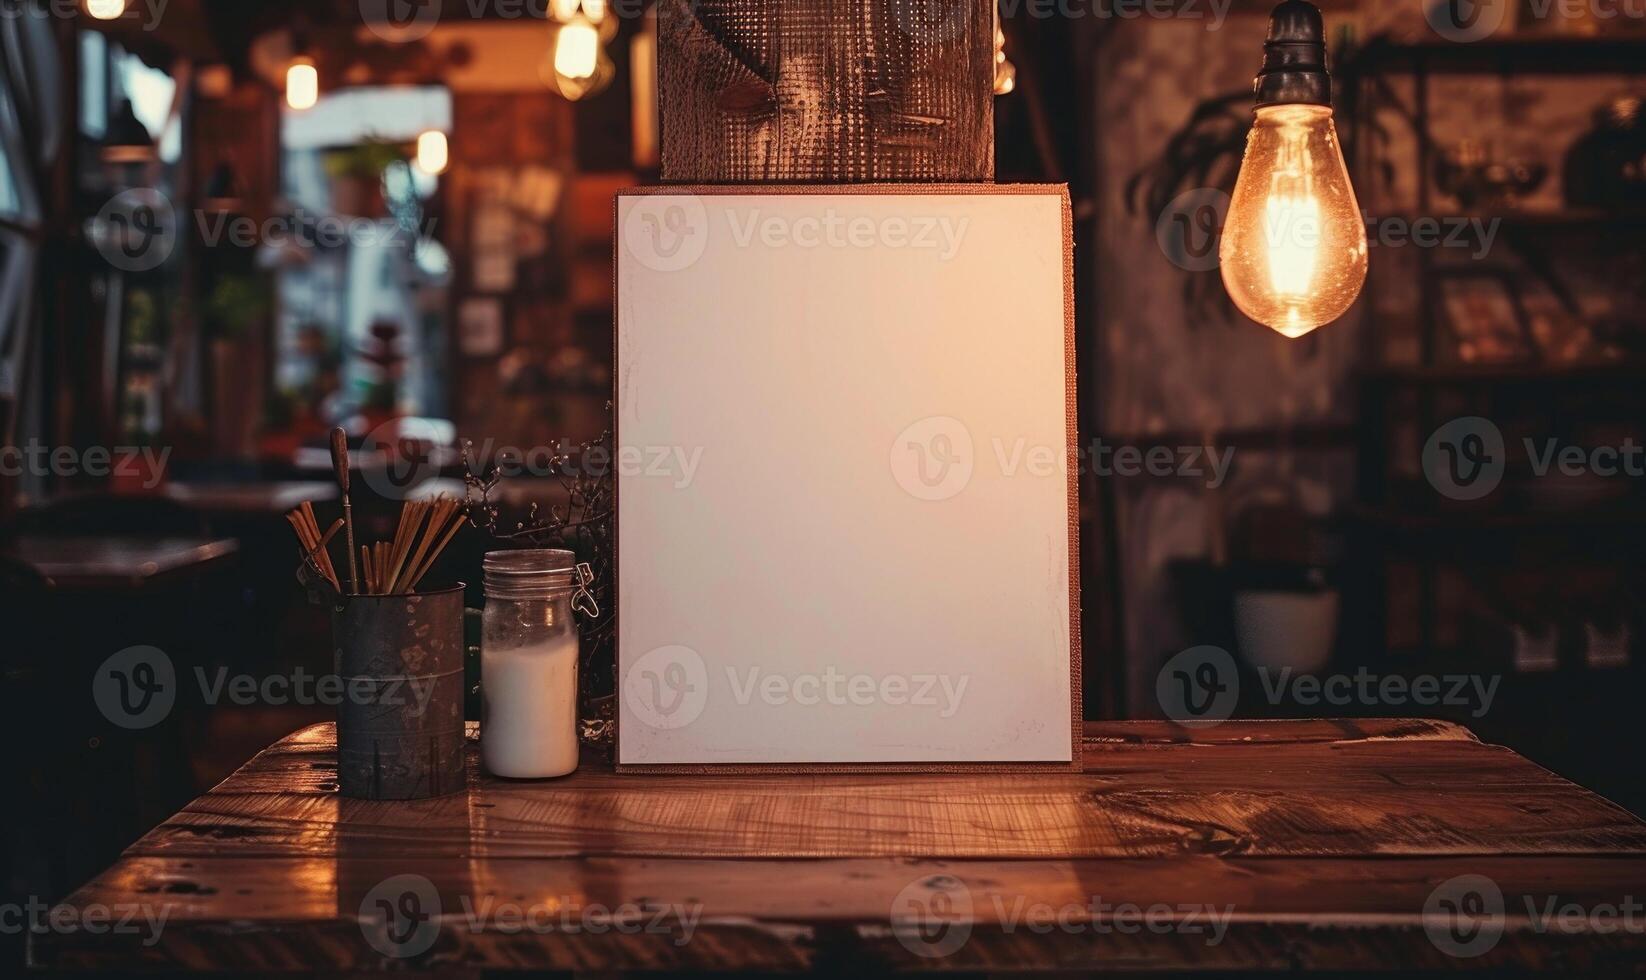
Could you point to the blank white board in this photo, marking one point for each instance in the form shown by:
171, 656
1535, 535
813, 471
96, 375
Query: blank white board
845, 500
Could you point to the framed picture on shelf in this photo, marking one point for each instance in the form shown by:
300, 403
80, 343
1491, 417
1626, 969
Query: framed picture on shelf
1485, 317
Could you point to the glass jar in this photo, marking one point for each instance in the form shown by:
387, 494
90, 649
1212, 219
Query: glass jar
528, 664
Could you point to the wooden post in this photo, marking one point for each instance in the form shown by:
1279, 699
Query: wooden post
826, 91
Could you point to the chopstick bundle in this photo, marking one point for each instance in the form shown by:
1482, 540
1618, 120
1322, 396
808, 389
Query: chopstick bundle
393, 567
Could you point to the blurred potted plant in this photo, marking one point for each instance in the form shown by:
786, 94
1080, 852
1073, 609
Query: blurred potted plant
357, 177
236, 306
1285, 601
235, 311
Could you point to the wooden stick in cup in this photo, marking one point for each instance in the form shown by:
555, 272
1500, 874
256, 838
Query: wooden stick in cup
340, 468
411, 521
429, 562
441, 510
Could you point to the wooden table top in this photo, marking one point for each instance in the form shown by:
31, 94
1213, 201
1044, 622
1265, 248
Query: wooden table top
1322, 845
276, 497
116, 562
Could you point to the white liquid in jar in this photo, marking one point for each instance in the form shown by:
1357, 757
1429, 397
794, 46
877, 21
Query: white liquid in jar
528, 719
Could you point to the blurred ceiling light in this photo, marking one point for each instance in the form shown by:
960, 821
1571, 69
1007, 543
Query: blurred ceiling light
214, 81
577, 50
433, 152
106, 9
302, 84
577, 65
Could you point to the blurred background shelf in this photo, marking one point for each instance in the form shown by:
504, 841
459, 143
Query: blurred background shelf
1533, 55
1530, 373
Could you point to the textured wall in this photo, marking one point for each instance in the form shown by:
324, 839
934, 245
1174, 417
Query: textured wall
820, 90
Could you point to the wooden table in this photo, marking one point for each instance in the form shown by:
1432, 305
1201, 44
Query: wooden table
1251, 845
262, 497
116, 562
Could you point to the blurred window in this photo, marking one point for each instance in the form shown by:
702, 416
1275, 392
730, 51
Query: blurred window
361, 325
10, 205
15, 201
152, 93
94, 85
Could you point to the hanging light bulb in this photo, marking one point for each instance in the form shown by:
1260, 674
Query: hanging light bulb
106, 9
433, 152
1294, 244
302, 83
577, 65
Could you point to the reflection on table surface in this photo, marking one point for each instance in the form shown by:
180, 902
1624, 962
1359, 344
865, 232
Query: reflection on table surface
116, 561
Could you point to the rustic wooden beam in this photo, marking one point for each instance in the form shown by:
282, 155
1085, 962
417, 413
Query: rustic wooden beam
825, 91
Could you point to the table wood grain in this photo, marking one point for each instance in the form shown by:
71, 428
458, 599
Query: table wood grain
1321, 842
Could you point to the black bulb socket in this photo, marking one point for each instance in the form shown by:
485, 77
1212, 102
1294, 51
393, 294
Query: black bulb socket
1294, 58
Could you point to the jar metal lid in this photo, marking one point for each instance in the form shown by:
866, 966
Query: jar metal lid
535, 573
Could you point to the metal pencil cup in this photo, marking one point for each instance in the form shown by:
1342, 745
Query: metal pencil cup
400, 722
